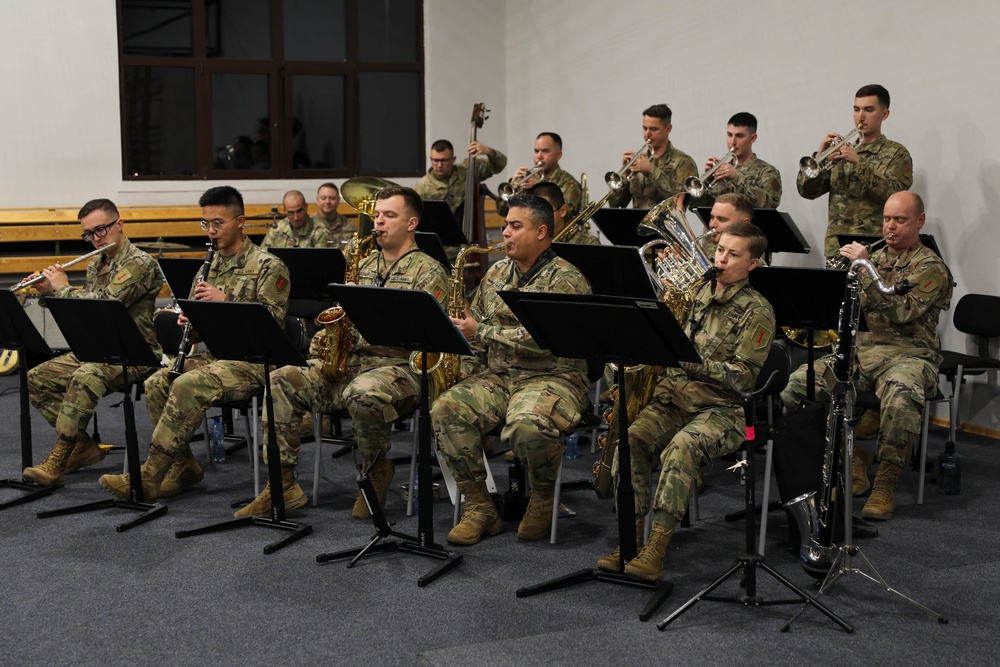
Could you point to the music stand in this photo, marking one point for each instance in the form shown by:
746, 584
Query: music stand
179, 272
430, 243
438, 219
426, 328
611, 270
311, 270
782, 233
624, 331
242, 331
18, 333
621, 225
868, 239
103, 331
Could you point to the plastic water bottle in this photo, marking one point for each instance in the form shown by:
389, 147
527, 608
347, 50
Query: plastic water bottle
218, 439
572, 446
949, 481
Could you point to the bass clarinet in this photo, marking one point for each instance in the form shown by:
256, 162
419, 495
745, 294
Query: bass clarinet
178, 367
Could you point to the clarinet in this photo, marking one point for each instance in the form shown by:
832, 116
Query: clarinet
178, 366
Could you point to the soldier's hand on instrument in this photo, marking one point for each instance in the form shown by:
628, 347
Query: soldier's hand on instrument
205, 292
626, 156
710, 162
828, 141
466, 325
182, 319
847, 153
477, 148
725, 171
519, 174
642, 165
55, 278
854, 251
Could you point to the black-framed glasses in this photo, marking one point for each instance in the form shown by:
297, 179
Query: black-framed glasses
98, 232
216, 224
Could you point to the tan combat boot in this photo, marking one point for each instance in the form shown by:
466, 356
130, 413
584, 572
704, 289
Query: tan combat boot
860, 463
50, 471
381, 476
153, 472
292, 493
184, 472
85, 453
868, 425
648, 564
479, 516
612, 562
880, 504
537, 521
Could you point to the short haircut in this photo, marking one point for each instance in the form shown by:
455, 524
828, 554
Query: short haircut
328, 185
741, 203
411, 199
541, 210
916, 201
556, 139
744, 119
442, 145
748, 230
874, 89
293, 194
223, 195
105, 205
661, 111
549, 191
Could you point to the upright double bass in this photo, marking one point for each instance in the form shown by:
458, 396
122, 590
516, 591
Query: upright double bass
474, 216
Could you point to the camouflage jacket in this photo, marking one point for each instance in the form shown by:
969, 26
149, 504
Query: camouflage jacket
904, 325
310, 235
670, 170
733, 331
756, 179
858, 192
571, 189
501, 344
341, 229
453, 189
132, 277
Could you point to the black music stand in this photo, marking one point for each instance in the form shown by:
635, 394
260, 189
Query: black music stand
240, 331
624, 331
611, 270
621, 225
102, 331
868, 239
18, 333
311, 271
782, 233
426, 328
438, 219
179, 272
430, 243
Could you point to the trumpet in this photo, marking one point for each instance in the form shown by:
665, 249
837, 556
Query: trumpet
39, 278
616, 180
508, 190
811, 167
841, 262
697, 187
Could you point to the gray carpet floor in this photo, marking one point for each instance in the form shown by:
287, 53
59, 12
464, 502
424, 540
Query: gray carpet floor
76, 592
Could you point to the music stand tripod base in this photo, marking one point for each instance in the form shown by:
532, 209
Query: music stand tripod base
149, 511
297, 530
661, 589
33, 492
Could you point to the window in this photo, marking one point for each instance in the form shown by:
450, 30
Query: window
224, 89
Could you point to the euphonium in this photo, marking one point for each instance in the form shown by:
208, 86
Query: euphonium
811, 167
333, 348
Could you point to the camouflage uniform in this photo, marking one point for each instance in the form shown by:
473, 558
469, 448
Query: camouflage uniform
453, 189
131, 276
571, 189
670, 170
694, 417
899, 355
177, 409
310, 235
341, 229
536, 395
858, 192
756, 179
380, 387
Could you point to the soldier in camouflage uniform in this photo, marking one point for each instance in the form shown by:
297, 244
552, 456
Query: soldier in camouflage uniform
341, 229
727, 209
240, 271
899, 355
694, 416
446, 181
380, 386
547, 153
551, 193
655, 178
511, 381
751, 176
65, 390
862, 177
297, 229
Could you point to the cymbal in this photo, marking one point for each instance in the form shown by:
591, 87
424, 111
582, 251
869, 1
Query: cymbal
160, 244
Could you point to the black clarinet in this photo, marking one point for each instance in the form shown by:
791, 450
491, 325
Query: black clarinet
178, 366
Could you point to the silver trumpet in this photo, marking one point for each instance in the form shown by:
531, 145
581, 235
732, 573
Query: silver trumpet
39, 278
696, 187
811, 167
616, 180
508, 190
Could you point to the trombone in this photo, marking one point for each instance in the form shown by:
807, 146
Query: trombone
39, 278
811, 167
508, 190
696, 187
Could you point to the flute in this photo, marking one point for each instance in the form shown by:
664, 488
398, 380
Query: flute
37, 279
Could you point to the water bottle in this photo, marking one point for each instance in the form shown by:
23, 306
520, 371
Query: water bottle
218, 439
572, 446
949, 481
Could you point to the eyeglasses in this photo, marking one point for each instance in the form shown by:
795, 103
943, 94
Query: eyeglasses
98, 232
216, 224
442, 160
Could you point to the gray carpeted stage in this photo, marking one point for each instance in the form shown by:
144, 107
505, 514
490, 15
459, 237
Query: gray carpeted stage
76, 592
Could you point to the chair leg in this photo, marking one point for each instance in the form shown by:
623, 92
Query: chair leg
415, 430
956, 395
555, 505
318, 463
923, 452
765, 499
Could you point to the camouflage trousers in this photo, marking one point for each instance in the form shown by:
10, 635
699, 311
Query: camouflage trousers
534, 411
684, 442
177, 409
65, 390
375, 399
901, 383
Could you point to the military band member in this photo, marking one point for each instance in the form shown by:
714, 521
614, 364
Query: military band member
548, 151
694, 415
341, 229
551, 193
727, 209
446, 181
654, 178
511, 380
380, 386
900, 354
862, 178
240, 271
751, 176
65, 390
296, 229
